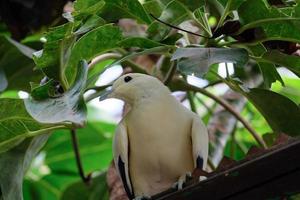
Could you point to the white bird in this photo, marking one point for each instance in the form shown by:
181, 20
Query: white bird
159, 141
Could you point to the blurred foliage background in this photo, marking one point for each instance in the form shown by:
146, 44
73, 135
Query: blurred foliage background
236, 45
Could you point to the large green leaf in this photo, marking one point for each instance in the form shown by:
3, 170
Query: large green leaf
13, 165
16, 66
270, 74
282, 114
95, 145
268, 70
85, 8
174, 13
16, 124
155, 7
139, 42
118, 9
276, 23
49, 187
55, 54
198, 60
89, 24
69, 107
289, 61
94, 191
93, 43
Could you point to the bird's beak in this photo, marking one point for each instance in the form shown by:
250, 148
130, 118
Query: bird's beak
106, 94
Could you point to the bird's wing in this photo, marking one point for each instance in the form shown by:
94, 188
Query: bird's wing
200, 143
120, 148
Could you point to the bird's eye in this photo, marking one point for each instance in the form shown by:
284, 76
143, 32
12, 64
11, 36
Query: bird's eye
127, 79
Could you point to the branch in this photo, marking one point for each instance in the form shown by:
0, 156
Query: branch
230, 109
178, 28
103, 57
85, 179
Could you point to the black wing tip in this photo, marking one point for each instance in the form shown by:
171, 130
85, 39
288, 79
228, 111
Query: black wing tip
121, 167
199, 162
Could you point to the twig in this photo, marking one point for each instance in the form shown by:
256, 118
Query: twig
228, 107
85, 179
191, 101
170, 73
103, 57
178, 28
209, 110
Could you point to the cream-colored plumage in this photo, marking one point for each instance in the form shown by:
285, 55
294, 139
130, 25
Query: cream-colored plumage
158, 140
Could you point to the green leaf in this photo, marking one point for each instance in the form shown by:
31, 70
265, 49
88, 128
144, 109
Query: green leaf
230, 5
270, 74
3, 80
69, 107
89, 24
95, 145
290, 89
201, 16
257, 13
16, 124
268, 70
93, 43
16, 66
198, 60
174, 13
155, 7
79, 190
289, 61
282, 114
14, 164
49, 187
55, 54
118, 9
139, 42
84, 8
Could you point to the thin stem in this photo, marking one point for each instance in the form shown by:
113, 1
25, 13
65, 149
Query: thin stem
227, 71
103, 57
170, 73
191, 101
209, 110
230, 109
233, 143
175, 27
85, 179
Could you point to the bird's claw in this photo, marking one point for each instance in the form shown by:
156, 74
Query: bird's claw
142, 198
182, 180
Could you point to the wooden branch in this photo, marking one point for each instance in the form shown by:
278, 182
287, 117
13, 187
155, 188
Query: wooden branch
273, 174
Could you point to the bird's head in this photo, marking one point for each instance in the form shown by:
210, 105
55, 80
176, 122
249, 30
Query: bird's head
133, 87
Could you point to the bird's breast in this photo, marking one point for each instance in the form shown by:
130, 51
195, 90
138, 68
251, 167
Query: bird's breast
160, 145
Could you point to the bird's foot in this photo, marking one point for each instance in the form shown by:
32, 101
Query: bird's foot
142, 198
182, 180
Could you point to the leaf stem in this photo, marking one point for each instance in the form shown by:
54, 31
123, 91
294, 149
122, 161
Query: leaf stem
191, 101
178, 28
103, 57
85, 179
170, 73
